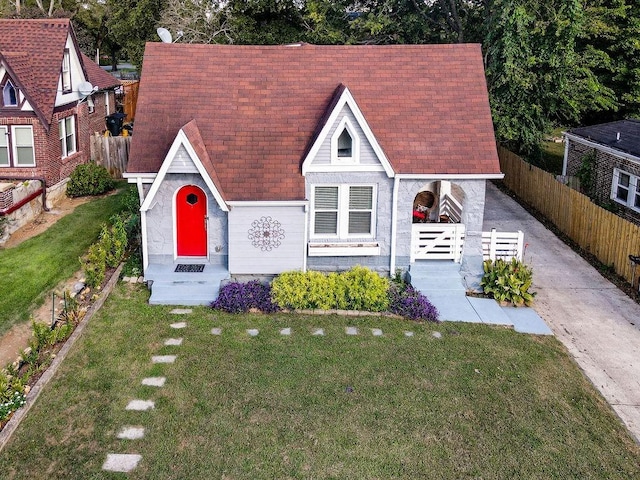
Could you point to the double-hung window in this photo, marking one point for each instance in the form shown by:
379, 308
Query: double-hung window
626, 189
16, 146
66, 72
22, 138
4, 147
67, 130
343, 211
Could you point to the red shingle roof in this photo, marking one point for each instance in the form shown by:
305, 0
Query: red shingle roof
258, 108
33, 51
97, 76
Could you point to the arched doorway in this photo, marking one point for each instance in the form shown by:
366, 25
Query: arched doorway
191, 222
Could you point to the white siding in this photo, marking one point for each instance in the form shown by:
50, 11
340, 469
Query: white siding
182, 162
281, 250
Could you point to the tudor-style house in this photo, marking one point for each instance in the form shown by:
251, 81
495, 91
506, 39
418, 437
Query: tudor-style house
53, 98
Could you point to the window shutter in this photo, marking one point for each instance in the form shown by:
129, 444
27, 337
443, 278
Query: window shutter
326, 210
360, 210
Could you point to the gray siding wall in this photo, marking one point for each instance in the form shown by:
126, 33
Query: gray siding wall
263, 256
182, 162
160, 222
384, 184
367, 155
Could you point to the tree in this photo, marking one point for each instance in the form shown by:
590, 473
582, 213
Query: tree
198, 21
535, 75
132, 23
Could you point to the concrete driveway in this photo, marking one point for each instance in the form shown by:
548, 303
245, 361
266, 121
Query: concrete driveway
599, 325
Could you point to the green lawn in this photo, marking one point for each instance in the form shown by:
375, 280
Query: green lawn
553, 153
30, 270
480, 402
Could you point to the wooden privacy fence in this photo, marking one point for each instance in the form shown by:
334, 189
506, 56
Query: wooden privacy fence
130, 98
111, 152
610, 238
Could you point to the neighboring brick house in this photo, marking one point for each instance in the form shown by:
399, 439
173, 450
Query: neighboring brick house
45, 121
275, 158
606, 159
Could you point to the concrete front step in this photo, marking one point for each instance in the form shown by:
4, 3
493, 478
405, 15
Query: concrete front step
436, 276
183, 293
169, 287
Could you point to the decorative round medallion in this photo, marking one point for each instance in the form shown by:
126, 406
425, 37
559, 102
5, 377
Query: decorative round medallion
266, 234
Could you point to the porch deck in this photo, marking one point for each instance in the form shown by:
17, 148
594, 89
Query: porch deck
169, 287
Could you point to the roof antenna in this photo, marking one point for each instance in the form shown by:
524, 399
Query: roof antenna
165, 35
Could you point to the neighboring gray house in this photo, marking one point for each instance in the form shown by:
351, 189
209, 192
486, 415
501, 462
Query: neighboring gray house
606, 160
254, 160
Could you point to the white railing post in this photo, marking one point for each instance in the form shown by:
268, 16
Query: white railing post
492, 244
520, 245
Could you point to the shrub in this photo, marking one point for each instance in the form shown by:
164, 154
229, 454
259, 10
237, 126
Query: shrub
94, 265
89, 179
508, 281
410, 303
355, 289
365, 290
114, 240
236, 297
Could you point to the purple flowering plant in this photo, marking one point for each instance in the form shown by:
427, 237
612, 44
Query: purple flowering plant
237, 297
410, 303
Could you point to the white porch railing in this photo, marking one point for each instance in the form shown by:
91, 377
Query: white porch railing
437, 241
505, 245
450, 207
444, 241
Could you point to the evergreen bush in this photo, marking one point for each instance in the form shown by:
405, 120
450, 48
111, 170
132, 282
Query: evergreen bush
89, 179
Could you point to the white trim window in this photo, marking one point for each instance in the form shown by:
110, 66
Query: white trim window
345, 144
5, 161
22, 140
625, 189
343, 211
67, 131
66, 71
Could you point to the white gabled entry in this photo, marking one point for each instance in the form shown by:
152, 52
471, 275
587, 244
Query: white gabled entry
170, 165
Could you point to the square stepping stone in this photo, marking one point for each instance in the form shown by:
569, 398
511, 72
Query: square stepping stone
154, 381
253, 332
131, 433
436, 335
121, 462
408, 334
318, 332
163, 358
376, 332
173, 342
140, 405
216, 331
178, 325
181, 311
351, 331
285, 331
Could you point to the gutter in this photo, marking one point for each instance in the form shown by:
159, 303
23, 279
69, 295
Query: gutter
42, 190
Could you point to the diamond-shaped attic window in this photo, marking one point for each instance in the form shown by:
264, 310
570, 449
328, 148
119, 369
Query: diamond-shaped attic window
192, 199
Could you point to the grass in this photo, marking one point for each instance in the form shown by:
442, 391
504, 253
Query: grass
553, 153
480, 402
30, 270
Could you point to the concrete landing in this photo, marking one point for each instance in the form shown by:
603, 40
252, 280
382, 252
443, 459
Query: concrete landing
169, 287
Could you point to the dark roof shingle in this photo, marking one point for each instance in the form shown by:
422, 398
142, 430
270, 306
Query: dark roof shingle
623, 135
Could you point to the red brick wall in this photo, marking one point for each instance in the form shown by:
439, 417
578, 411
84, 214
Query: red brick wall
49, 163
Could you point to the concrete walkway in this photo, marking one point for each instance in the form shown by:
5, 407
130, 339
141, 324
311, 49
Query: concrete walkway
599, 325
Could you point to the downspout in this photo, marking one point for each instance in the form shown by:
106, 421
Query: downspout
43, 190
566, 157
306, 238
394, 227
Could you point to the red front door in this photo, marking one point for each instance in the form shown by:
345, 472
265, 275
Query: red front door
191, 218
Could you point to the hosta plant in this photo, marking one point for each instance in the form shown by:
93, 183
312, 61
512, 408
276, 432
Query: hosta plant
508, 281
